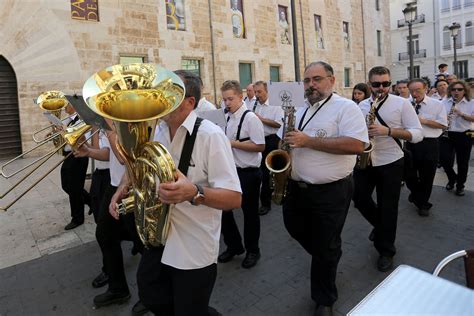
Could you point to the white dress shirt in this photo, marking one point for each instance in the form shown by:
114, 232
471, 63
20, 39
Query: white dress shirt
397, 112
205, 105
274, 113
252, 128
193, 240
103, 143
250, 102
458, 124
438, 97
117, 170
432, 109
338, 117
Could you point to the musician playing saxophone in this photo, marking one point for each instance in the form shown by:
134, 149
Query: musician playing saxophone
330, 131
178, 278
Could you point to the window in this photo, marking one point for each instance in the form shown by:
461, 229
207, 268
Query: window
347, 77
346, 36
377, 5
456, 4
444, 5
468, 3
318, 28
446, 38
125, 60
192, 65
463, 72
245, 74
237, 18
274, 73
175, 18
379, 43
416, 72
416, 44
469, 34
284, 27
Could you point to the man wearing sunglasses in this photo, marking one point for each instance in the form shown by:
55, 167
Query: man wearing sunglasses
396, 120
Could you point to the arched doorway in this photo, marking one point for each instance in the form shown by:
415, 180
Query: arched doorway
10, 139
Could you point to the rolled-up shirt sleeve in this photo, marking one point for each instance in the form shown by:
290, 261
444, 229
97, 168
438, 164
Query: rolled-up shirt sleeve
411, 123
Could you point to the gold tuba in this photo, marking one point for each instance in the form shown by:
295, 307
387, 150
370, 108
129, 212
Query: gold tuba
134, 96
278, 161
364, 159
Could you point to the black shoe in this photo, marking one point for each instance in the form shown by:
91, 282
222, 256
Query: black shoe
72, 225
450, 186
228, 255
109, 298
211, 311
139, 309
322, 310
250, 260
372, 235
263, 210
459, 192
427, 205
100, 280
384, 263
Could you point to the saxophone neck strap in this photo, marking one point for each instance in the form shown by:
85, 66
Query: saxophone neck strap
185, 159
301, 126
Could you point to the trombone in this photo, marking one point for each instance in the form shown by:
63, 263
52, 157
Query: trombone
71, 136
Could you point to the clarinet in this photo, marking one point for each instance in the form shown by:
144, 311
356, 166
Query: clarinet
450, 119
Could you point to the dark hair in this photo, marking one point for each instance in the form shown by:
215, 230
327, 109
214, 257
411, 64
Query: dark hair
233, 85
440, 80
361, 87
469, 80
378, 70
192, 83
260, 82
467, 91
427, 81
404, 81
442, 66
422, 81
327, 67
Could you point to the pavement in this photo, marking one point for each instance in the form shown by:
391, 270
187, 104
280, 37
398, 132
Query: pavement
45, 270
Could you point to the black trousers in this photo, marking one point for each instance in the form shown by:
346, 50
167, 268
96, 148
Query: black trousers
167, 291
99, 183
419, 178
271, 143
250, 179
109, 233
458, 145
315, 216
73, 177
386, 180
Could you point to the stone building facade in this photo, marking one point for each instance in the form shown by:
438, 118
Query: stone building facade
49, 50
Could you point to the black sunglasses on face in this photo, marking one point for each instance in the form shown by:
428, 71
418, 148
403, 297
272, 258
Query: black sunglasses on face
377, 84
457, 89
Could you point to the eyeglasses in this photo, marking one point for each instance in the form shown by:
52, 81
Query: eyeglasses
377, 84
316, 79
457, 89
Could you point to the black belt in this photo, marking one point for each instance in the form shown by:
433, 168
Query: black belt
306, 185
101, 171
272, 136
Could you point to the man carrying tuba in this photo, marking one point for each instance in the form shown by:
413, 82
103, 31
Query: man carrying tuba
330, 131
178, 278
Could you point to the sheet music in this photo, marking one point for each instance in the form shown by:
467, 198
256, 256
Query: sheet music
215, 116
286, 93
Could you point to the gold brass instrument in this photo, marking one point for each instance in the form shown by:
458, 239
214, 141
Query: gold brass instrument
364, 159
278, 161
134, 96
73, 136
53, 102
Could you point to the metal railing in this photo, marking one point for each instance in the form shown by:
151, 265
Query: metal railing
421, 53
419, 19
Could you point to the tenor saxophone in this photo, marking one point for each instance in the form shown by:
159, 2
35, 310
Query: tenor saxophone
278, 161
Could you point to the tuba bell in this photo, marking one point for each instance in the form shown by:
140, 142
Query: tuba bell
134, 96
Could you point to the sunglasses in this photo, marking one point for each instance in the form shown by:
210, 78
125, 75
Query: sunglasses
377, 84
457, 89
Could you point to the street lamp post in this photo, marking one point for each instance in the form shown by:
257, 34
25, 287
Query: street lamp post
410, 15
454, 28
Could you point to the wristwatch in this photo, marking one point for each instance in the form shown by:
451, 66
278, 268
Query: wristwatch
198, 199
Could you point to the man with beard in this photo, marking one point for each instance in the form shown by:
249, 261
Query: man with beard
271, 117
396, 120
329, 131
